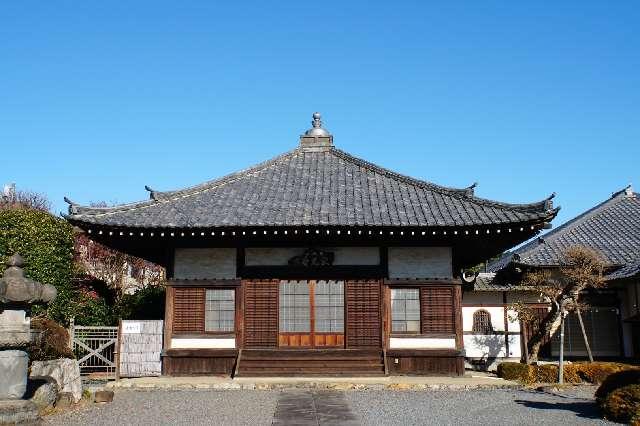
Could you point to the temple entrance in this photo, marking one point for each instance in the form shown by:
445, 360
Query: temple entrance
311, 314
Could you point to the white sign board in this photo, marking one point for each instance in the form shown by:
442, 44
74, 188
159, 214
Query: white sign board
130, 327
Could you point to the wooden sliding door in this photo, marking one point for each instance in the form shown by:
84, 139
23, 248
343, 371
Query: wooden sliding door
261, 313
364, 314
311, 314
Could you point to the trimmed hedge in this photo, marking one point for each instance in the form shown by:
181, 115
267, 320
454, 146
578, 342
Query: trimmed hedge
616, 381
515, 371
46, 244
623, 405
595, 372
579, 372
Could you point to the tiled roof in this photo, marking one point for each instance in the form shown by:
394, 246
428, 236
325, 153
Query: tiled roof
612, 228
628, 270
485, 281
315, 185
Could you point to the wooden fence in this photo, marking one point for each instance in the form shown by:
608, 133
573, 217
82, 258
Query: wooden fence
139, 348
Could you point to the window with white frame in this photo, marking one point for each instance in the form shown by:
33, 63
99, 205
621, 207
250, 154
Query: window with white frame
220, 310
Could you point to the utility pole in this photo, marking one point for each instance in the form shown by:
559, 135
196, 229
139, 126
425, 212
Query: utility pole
561, 363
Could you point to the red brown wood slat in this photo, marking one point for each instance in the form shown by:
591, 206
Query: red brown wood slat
438, 315
188, 310
261, 313
363, 302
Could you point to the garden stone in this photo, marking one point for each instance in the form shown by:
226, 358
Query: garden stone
103, 396
45, 395
65, 372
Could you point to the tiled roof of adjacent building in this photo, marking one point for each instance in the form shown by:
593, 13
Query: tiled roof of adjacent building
612, 228
314, 184
485, 281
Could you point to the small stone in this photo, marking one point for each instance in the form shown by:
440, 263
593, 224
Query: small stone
103, 396
65, 400
45, 395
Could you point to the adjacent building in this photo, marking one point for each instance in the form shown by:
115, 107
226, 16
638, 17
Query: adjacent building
316, 262
612, 321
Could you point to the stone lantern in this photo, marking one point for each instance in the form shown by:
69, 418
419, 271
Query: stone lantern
17, 295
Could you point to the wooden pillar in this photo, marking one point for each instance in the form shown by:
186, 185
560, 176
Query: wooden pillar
240, 316
457, 309
506, 323
168, 317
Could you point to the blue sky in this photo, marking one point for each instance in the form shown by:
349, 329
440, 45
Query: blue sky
98, 99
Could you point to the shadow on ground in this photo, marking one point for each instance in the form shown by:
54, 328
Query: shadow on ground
583, 408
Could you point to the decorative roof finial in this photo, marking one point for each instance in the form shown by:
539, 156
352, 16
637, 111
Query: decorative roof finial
316, 120
317, 129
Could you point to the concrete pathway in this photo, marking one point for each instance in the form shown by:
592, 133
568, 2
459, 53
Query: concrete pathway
322, 408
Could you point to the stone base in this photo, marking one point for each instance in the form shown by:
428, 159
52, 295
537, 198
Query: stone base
13, 371
18, 411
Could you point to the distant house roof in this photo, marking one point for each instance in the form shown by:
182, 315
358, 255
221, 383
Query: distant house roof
485, 281
612, 228
315, 184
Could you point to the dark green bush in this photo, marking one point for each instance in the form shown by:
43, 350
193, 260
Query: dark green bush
617, 381
51, 341
623, 404
145, 304
46, 244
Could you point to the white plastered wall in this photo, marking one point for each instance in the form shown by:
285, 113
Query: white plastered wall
203, 343
421, 343
420, 262
488, 346
204, 263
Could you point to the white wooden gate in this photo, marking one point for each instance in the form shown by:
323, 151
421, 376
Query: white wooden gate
95, 348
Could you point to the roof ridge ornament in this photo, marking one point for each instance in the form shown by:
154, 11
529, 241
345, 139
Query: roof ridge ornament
317, 138
73, 207
628, 191
153, 194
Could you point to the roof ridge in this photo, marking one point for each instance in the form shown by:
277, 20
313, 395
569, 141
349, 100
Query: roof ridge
164, 196
460, 193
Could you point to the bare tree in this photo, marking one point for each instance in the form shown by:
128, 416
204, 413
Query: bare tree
12, 198
581, 268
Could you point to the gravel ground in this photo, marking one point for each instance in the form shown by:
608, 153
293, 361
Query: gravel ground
176, 408
490, 407
478, 407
